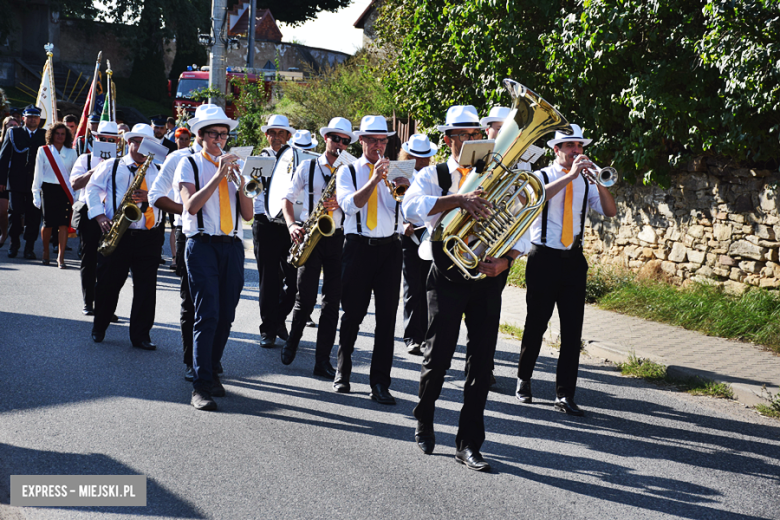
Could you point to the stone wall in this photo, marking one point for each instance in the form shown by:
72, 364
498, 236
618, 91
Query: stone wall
287, 55
715, 224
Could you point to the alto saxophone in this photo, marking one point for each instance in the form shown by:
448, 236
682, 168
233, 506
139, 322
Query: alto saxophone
127, 213
318, 225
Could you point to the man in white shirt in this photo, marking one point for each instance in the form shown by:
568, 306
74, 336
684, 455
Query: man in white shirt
312, 177
139, 248
450, 298
371, 258
557, 270
211, 220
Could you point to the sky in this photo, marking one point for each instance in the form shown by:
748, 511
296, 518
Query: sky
333, 31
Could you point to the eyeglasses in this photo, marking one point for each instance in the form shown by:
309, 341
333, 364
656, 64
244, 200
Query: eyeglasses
338, 139
217, 135
466, 136
277, 133
374, 140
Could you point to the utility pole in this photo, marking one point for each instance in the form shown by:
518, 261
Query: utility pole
218, 50
250, 35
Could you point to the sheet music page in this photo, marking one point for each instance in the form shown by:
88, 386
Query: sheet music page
401, 169
532, 154
344, 159
242, 151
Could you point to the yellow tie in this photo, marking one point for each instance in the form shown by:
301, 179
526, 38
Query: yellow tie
149, 213
372, 202
332, 172
225, 211
567, 233
463, 173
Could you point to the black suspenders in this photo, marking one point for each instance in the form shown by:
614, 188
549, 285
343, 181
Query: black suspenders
311, 185
582, 212
197, 188
357, 221
113, 183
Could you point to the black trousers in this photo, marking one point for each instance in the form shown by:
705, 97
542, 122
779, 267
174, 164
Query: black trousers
138, 251
554, 277
448, 301
367, 269
326, 257
187, 314
90, 238
278, 279
20, 204
415, 271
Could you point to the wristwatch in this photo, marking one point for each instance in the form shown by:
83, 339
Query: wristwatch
510, 260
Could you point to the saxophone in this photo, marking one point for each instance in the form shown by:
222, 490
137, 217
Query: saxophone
127, 213
318, 225
459, 241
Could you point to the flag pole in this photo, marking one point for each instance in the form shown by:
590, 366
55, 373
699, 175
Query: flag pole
90, 103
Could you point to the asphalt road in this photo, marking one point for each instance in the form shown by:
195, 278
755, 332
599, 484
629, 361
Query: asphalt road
284, 445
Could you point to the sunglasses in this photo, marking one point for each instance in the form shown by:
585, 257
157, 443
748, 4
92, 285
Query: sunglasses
338, 139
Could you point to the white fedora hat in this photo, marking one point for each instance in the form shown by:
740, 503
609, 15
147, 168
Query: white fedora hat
140, 130
576, 135
213, 115
278, 121
461, 116
302, 139
338, 125
418, 145
107, 128
198, 112
496, 114
373, 125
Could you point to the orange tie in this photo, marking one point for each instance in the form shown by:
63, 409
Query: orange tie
225, 212
332, 172
149, 213
567, 233
372, 203
463, 173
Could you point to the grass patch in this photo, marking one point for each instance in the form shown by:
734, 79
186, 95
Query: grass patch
517, 273
511, 330
772, 409
656, 373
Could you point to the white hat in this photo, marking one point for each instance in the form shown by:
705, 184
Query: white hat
338, 125
213, 115
418, 145
302, 139
107, 128
140, 130
278, 121
373, 125
497, 114
199, 112
461, 116
576, 135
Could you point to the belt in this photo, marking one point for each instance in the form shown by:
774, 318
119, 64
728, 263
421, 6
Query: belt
374, 241
563, 253
136, 232
224, 239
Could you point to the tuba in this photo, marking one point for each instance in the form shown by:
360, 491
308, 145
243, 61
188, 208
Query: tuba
460, 241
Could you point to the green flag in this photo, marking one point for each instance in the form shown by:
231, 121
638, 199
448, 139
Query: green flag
105, 116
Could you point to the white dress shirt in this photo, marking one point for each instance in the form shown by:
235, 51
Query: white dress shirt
425, 191
300, 182
555, 208
386, 204
45, 173
163, 184
100, 189
211, 209
81, 167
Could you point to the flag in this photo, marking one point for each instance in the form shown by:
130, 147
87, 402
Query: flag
47, 96
89, 105
106, 115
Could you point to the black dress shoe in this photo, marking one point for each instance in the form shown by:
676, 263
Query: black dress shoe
324, 369
341, 384
414, 349
88, 310
267, 341
472, 459
424, 437
29, 255
202, 400
281, 332
217, 390
218, 368
145, 345
114, 318
97, 336
568, 406
13, 251
189, 375
523, 392
289, 350
310, 323
381, 394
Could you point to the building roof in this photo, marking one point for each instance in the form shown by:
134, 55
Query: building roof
362, 19
265, 23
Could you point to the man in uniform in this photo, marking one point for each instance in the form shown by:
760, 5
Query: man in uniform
371, 260
271, 244
158, 125
557, 270
450, 298
312, 177
17, 168
139, 248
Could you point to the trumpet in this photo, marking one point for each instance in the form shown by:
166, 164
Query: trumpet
396, 191
606, 176
251, 187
